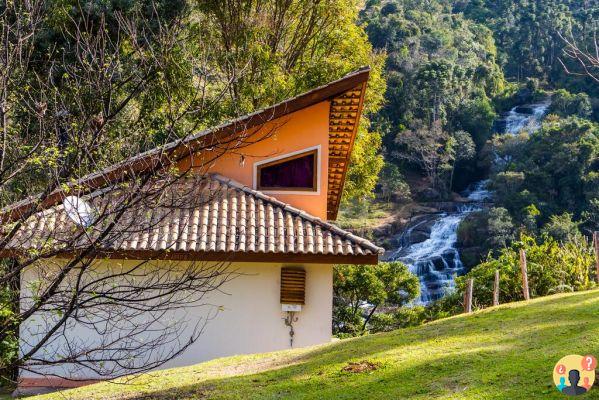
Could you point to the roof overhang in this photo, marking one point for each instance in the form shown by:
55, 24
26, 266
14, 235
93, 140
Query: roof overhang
201, 256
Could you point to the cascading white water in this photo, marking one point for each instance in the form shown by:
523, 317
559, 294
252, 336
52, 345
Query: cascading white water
526, 118
436, 260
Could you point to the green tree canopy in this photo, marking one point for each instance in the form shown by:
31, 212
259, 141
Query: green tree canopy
361, 290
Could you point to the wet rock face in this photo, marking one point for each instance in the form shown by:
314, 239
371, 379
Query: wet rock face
500, 125
420, 233
437, 274
529, 110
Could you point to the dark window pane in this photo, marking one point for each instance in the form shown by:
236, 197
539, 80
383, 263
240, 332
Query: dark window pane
296, 173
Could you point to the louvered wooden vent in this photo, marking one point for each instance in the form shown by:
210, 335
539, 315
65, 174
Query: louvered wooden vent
293, 285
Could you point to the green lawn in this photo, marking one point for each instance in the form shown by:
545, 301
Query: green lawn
507, 352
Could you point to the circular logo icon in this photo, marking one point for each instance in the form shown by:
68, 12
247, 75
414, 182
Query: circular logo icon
574, 374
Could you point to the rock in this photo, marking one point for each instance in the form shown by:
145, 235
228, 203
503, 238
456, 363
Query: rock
500, 125
458, 198
417, 237
421, 232
439, 264
524, 110
429, 194
383, 231
445, 206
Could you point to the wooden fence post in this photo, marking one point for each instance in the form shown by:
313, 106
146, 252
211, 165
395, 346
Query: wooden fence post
524, 270
596, 243
496, 289
468, 296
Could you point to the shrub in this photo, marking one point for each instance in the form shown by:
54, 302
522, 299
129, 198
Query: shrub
362, 290
552, 267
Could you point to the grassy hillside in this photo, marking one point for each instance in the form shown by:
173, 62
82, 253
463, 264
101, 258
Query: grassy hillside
503, 353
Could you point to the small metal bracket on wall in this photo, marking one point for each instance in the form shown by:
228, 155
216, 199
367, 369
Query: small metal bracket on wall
289, 320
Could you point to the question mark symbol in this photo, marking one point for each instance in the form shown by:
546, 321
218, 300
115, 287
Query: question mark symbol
561, 369
589, 363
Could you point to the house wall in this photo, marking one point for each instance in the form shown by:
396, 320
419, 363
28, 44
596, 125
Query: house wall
250, 319
297, 131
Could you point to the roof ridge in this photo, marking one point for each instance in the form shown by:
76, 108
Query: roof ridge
294, 210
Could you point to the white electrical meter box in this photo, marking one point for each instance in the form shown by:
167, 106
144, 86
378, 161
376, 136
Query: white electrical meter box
291, 307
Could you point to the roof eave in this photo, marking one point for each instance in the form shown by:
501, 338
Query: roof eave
185, 255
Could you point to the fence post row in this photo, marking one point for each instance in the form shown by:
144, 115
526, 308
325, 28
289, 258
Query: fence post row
524, 270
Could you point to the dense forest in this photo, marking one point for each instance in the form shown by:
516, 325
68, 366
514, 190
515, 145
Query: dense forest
452, 68
456, 72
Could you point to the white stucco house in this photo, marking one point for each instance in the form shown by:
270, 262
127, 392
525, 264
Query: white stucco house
263, 211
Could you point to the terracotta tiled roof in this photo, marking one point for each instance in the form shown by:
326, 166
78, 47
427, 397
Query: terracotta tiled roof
199, 218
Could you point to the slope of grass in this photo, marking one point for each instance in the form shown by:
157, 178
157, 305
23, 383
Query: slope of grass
507, 352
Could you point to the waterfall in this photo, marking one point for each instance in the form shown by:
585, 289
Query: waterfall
526, 118
436, 260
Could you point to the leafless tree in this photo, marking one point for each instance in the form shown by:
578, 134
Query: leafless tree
66, 117
583, 59
428, 147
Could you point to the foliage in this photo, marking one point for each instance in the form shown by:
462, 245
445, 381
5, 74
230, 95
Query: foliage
476, 117
361, 290
463, 150
484, 232
562, 228
270, 51
480, 356
402, 317
429, 147
565, 104
501, 229
438, 65
555, 170
9, 345
528, 34
393, 184
367, 162
553, 267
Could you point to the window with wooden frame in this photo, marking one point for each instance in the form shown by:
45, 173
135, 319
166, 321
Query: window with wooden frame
298, 172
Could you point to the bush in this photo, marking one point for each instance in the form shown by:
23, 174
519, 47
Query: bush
9, 341
562, 228
362, 290
552, 267
393, 184
402, 317
565, 104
